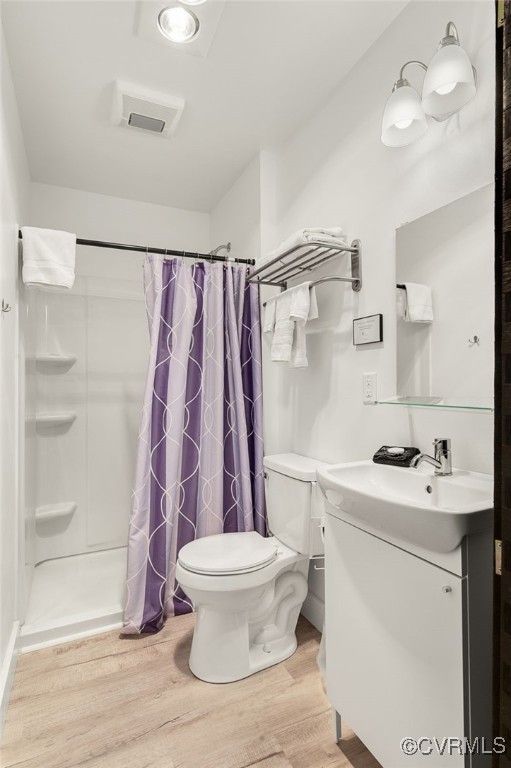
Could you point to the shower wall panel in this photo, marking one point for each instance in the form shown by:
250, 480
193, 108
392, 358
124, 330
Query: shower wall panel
117, 349
92, 347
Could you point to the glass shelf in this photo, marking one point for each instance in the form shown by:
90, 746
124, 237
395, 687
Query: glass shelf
438, 402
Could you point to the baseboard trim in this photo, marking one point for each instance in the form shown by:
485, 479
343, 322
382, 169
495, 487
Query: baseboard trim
7, 673
314, 611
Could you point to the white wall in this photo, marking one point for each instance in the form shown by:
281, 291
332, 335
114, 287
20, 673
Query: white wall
101, 217
102, 322
236, 218
335, 170
13, 210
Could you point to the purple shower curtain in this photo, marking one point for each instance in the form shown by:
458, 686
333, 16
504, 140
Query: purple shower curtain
200, 453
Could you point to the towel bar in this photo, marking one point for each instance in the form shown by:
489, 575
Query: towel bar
304, 258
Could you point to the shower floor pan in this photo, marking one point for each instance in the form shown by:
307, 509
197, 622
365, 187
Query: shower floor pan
74, 597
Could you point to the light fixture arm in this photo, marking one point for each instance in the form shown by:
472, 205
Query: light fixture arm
402, 81
412, 61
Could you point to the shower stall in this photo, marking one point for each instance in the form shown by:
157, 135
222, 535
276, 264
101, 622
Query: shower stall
86, 355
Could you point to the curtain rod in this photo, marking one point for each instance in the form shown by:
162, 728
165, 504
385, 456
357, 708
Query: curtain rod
163, 251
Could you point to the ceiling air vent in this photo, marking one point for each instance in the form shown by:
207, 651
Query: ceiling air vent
146, 123
145, 110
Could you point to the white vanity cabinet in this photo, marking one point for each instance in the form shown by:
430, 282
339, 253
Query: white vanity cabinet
407, 643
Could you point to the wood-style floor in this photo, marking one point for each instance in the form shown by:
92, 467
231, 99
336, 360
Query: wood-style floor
133, 703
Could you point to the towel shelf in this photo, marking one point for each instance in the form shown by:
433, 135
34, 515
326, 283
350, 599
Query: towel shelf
304, 258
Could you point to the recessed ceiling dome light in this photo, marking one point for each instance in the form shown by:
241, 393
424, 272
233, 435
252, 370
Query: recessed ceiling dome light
178, 24
193, 2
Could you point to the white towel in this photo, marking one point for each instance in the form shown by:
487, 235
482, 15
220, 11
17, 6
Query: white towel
400, 302
282, 342
324, 235
303, 307
269, 315
419, 303
48, 257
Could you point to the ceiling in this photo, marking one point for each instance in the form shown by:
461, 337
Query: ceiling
270, 65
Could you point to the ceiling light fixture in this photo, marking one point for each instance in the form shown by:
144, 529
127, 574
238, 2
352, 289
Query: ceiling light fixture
193, 2
178, 24
449, 83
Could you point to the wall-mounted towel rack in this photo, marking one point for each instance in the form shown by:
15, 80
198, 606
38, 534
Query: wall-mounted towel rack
303, 258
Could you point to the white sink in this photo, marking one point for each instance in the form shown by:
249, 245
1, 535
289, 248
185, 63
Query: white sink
411, 504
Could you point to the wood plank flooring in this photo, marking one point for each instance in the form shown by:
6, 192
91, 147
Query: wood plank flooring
111, 702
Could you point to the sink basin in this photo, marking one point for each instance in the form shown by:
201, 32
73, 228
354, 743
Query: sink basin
411, 504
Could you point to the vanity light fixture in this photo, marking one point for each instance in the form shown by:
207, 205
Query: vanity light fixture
404, 120
178, 24
449, 83
450, 80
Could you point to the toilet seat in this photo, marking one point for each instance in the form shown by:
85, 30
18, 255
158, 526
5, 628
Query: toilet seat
228, 554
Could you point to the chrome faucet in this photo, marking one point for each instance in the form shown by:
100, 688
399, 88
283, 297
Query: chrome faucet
442, 459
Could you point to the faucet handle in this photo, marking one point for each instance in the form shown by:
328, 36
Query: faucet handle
443, 455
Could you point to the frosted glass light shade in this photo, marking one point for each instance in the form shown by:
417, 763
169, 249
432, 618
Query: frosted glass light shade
449, 83
404, 120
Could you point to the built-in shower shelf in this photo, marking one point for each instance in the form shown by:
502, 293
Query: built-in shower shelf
55, 511
55, 419
57, 360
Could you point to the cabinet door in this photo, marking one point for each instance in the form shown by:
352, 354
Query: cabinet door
394, 644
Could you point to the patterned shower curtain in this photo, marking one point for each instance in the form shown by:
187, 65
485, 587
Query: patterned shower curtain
200, 453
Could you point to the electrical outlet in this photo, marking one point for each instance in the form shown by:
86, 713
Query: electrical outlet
369, 381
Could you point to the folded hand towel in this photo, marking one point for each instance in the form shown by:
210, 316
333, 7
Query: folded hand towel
419, 303
282, 342
400, 302
324, 235
48, 257
303, 307
311, 232
269, 315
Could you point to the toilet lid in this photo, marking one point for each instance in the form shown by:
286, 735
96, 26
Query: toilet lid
228, 553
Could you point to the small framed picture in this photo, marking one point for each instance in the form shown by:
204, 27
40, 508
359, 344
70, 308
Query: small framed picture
368, 330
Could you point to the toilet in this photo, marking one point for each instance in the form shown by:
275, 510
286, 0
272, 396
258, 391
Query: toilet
248, 590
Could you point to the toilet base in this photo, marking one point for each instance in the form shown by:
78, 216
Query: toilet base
258, 659
280, 651
242, 632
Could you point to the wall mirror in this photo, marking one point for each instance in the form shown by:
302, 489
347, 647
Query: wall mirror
448, 362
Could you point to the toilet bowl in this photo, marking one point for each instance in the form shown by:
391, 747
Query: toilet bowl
248, 590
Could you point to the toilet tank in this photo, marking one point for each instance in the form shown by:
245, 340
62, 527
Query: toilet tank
293, 502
